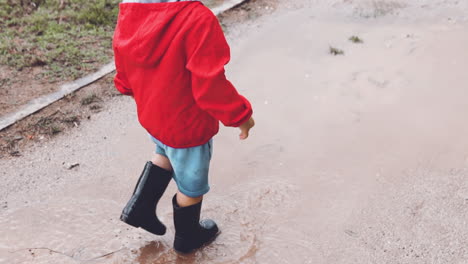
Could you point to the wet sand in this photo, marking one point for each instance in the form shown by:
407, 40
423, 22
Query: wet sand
360, 158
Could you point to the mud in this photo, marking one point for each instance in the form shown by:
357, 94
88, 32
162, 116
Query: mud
17, 88
359, 158
65, 114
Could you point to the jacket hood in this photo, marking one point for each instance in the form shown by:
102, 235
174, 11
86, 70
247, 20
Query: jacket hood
145, 29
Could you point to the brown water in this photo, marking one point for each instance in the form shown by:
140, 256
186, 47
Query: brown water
358, 158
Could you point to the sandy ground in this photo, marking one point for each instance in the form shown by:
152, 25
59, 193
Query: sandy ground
358, 158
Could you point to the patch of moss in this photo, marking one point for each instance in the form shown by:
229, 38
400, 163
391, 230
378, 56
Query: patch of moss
355, 39
89, 99
335, 51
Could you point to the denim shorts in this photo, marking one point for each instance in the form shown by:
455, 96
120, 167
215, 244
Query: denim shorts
190, 165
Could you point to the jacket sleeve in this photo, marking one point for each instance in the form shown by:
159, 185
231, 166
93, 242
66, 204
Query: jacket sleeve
207, 53
120, 79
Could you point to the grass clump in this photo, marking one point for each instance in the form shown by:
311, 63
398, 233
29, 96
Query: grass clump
54, 123
89, 99
67, 38
54, 130
356, 39
49, 125
335, 51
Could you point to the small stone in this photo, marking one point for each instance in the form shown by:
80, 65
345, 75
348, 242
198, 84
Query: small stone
351, 233
15, 153
70, 166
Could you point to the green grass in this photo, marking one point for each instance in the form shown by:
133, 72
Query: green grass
355, 39
66, 40
335, 51
89, 99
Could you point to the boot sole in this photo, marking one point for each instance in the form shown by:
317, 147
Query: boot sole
131, 221
202, 246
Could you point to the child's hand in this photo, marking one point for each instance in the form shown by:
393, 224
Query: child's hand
245, 128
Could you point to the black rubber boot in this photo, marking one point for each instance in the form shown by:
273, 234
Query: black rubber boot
190, 232
140, 210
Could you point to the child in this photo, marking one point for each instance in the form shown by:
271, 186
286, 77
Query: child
170, 57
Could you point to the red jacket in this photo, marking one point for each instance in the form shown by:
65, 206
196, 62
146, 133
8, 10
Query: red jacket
171, 57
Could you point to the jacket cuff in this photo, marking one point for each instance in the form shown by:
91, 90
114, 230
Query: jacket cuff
244, 116
122, 89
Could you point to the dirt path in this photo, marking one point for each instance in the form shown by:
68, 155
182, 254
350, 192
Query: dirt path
358, 158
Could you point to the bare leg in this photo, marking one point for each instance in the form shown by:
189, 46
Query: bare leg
162, 162
184, 200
